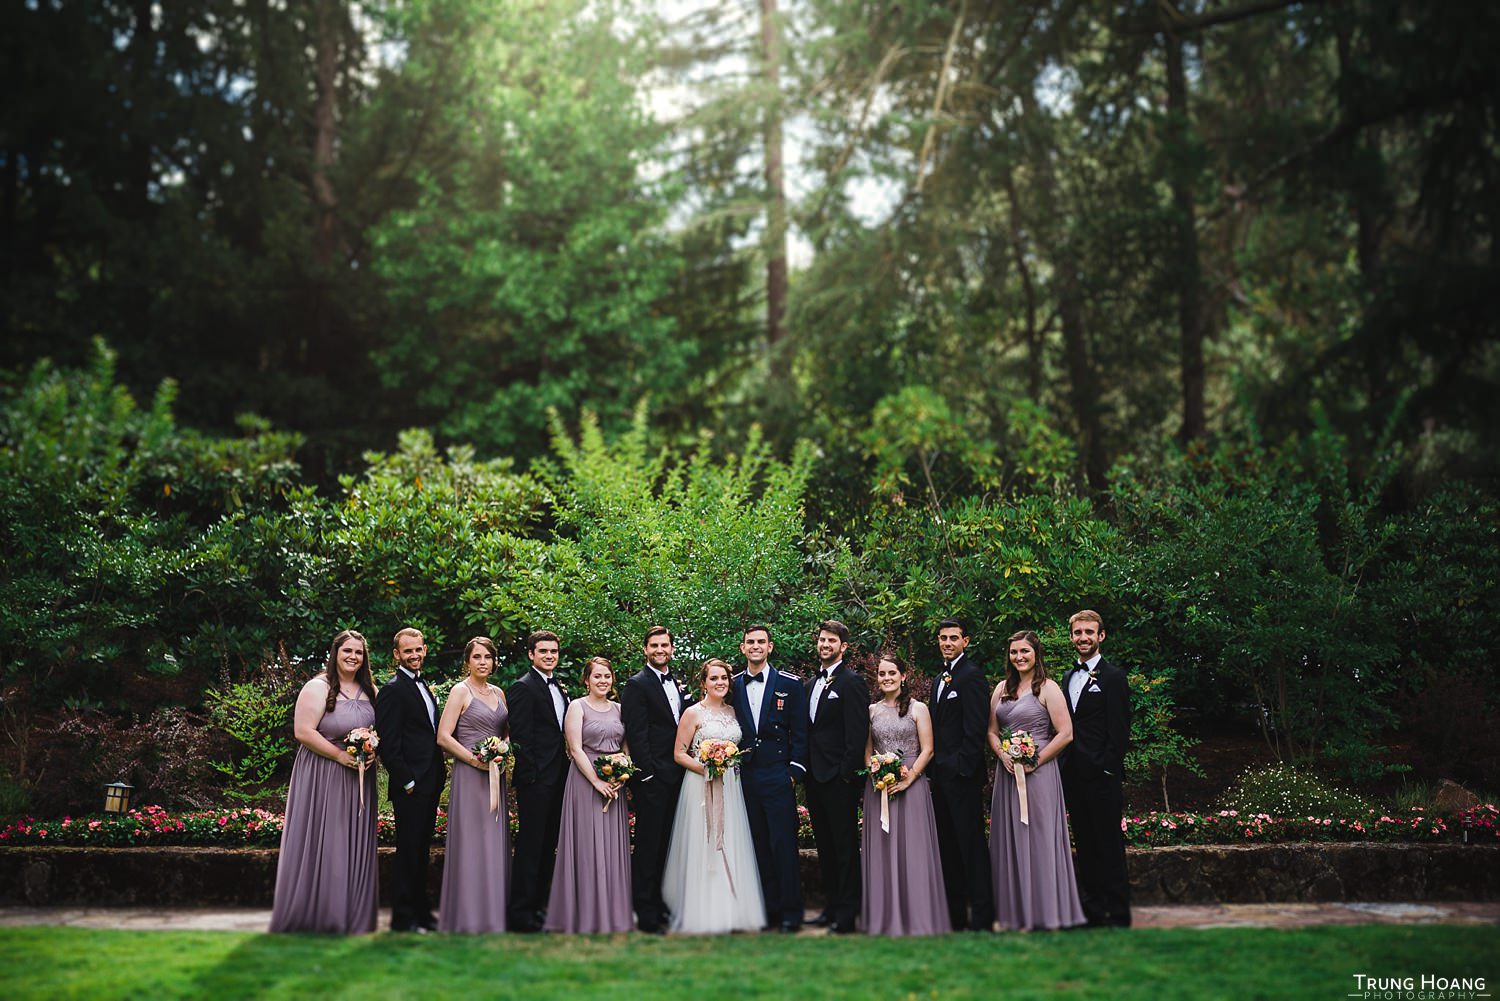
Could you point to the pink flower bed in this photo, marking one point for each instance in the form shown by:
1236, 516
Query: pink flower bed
245, 827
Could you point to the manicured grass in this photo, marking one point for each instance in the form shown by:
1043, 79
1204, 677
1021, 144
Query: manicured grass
1155, 964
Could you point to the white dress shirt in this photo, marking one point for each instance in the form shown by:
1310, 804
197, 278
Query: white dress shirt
1080, 679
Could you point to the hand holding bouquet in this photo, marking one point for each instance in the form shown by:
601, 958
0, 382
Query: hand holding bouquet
718, 756
886, 772
1020, 748
360, 744
616, 769
495, 754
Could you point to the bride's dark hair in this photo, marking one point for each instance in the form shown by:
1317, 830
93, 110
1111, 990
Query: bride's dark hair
709, 665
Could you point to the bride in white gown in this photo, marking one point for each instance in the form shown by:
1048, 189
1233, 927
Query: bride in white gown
711, 883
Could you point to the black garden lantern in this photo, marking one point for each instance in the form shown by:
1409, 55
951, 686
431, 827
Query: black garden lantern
117, 797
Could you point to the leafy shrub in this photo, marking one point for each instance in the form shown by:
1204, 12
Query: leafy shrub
257, 714
701, 545
1288, 791
1269, 577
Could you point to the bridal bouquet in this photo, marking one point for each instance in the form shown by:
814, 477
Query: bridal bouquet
1020, 748
718, 756
885, 770
496, 753
360, 743
616, 768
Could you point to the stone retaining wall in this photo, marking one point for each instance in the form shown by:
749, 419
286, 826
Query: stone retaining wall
1199, 874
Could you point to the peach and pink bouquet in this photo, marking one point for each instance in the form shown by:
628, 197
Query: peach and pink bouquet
886, 771
718, 756
1020, 747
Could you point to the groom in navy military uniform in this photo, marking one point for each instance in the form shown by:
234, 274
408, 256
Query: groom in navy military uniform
772, 711
1093, 771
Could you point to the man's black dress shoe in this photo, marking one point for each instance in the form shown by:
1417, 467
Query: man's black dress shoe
791, 927
822, 920
840, 928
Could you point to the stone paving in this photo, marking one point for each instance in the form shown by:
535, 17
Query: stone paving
249, 919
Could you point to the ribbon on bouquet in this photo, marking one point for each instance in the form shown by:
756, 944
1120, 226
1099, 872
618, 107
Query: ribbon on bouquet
494, 786
361, 785
885, 810
1020, 773
713, 815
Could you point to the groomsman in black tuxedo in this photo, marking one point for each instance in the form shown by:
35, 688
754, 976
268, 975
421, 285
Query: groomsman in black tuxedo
838, 702
1093, 769
651, 704
406, 717
960, 709
772, 711
536, 702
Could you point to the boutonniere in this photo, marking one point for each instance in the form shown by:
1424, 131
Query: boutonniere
947, 678
1093, 676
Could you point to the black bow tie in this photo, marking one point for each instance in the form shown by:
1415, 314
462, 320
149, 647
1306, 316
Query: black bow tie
754, 678
666, 679
1080, 665
551, 681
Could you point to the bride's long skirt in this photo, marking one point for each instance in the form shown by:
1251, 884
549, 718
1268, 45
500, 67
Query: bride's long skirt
709, 891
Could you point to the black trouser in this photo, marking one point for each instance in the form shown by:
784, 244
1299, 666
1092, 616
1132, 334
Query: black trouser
958, 807
833, 808
771, 802
416, 816
655, 805
1094, 810
538, 821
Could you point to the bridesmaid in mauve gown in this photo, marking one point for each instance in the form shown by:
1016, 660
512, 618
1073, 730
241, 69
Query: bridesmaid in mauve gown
591, 880
326, 870
476, 864
1032, 863
903, 877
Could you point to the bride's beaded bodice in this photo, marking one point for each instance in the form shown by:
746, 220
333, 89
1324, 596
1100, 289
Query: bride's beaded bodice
716, 726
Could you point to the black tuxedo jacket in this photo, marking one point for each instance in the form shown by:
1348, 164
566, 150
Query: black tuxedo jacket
781, 739
408, 737
836, 739
541, 757
1101, 725
960, 723
650, 730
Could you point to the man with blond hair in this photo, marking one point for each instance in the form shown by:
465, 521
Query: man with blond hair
1093, 770
406, 716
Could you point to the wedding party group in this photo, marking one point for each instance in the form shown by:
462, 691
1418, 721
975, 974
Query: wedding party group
708, 767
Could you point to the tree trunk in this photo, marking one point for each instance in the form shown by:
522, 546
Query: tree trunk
325, 202
1083, 391
776, 223
1187, 268
1032, 334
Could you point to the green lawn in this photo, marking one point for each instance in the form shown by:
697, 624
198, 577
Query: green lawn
1147, 963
